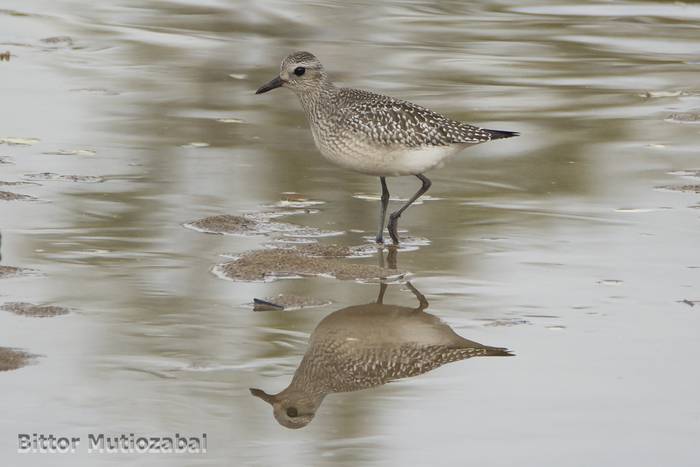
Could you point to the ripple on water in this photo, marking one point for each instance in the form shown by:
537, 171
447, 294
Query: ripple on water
229, 120
686, 173
71, 152
294, 200
377, 197
12, 141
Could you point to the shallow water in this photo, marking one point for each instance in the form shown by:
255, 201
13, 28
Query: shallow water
564, 245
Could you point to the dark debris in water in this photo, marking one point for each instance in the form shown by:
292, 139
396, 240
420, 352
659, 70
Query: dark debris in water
268, 265
66, 41
5, 183
10, 271
48, 176
685, 117
10, 196
5, 56
34, 311
690, 303
506, 322
287, 302
683, 188
12, 359
226, 224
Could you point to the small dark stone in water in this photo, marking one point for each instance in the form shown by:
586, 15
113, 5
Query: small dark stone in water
5, 56
12, 359
287, 302
264, 305
10, 196
34, 311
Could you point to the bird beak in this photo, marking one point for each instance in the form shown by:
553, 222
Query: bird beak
269, 86
269, 398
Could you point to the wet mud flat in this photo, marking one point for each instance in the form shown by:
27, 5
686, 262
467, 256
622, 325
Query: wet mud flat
304, 261
13, 359
258, 224
294, 250
34, 311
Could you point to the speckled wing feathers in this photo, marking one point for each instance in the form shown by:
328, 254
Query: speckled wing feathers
387, 121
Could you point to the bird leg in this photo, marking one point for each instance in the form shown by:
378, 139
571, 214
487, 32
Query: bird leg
422, 301
382, 210
382, 291
394, 216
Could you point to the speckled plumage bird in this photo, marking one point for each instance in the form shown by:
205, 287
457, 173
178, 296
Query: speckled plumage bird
365, 346
375, 134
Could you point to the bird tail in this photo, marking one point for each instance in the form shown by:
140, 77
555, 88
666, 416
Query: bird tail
496, 352
500, 134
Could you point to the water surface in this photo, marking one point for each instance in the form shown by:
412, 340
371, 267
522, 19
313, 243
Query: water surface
567, 245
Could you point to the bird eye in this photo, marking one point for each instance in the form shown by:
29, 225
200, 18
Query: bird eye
292, 412
300, 70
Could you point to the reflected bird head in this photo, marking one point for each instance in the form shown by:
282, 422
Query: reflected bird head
291, 409
300, 72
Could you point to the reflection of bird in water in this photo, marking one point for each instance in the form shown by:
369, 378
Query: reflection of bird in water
364, 346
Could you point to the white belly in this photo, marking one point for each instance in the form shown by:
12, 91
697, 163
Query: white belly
389, 161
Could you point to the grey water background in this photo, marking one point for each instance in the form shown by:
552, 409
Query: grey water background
564, 245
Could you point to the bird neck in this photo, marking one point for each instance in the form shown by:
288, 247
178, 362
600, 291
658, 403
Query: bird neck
315, 101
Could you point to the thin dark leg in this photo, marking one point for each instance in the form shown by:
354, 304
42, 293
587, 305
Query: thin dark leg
382, 291
422, 301
394, 217
382, 210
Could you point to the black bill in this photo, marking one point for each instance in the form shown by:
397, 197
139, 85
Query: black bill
274, 83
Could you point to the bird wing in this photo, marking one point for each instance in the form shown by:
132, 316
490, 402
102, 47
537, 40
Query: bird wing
385, 120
